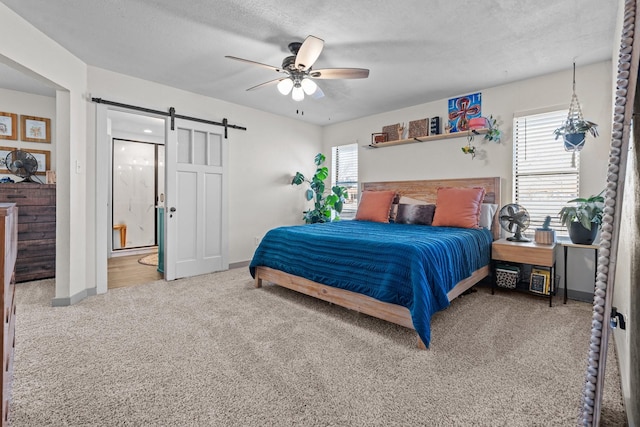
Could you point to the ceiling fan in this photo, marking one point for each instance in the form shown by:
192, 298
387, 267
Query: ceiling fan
299, 74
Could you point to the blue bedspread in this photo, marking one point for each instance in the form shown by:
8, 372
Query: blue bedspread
410, 265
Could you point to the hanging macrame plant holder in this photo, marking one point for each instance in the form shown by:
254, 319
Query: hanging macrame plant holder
574, 141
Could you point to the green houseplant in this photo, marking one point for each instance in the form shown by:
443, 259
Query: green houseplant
574, 131
326, 207
583, 219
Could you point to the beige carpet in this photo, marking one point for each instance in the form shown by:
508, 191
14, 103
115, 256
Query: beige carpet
214, 351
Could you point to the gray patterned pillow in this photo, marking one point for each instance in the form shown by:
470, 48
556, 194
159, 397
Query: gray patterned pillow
415, 214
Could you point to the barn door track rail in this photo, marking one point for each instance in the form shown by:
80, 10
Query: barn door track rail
171, 113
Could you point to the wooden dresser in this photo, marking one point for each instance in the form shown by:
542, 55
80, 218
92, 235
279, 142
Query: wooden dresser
36, 229
8, 254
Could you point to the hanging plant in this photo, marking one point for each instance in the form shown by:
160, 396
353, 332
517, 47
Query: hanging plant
469, 149
574, 129
494, 133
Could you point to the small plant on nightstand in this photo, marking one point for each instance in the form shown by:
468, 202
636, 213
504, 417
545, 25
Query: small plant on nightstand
545, 235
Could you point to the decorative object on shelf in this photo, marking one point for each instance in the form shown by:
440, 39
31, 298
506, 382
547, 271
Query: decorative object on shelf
378, 137
575, 128
35, 129
545, 235
391, 131
8, 126
583, 220
418, 128
326, 207
299, 77
434, 126
514, 219
401, 128
463, 109
540, 280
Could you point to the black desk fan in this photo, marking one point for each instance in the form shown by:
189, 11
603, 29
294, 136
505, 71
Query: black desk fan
514, 219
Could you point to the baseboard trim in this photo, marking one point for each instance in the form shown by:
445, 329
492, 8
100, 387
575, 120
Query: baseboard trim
73, 299
239, 264
576, 295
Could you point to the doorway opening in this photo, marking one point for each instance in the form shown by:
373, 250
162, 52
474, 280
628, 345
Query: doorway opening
136, 193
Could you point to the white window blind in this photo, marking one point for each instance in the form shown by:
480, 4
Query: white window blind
344, 166
545, 176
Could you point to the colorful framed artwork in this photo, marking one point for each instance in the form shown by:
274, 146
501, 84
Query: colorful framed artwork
35, 129
8, 126
43, 157
462, 109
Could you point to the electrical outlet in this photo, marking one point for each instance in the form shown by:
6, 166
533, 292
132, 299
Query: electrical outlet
256, 240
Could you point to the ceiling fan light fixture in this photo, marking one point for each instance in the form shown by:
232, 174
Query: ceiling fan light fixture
285, 86
297, 93
309, 86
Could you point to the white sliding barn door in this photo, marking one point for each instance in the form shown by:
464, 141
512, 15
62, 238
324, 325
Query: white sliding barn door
196, 237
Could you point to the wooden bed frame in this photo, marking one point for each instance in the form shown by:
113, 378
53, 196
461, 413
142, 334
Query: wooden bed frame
425, 190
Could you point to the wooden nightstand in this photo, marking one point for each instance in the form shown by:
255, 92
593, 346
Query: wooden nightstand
529, 253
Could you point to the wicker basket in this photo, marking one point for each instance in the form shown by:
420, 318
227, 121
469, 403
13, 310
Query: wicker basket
507, 276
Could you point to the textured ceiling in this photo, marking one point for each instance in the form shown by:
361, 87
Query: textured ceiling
417, 51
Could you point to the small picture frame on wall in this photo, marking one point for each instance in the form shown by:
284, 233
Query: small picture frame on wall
35, 129
44, 160
8, 126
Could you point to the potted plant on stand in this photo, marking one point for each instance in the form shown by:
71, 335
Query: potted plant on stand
583, 220
326, 207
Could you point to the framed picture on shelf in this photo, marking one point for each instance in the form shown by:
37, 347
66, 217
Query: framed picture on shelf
418, 128
539, 282
8, 126
378, 137
35, 129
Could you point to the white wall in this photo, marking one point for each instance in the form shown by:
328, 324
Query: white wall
444, 158
21, 103
262, 159
27, 49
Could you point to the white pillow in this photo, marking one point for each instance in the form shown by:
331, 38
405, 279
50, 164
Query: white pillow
487, 212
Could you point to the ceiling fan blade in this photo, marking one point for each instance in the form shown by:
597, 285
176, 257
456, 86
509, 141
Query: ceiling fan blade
340, 73
309, 52
271, 67
270, 82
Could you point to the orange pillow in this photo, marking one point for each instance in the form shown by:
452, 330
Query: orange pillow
375, 206
458, 207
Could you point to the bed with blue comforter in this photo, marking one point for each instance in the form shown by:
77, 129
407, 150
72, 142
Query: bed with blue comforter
414, 266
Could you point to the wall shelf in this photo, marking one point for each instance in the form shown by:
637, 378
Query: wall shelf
427, 138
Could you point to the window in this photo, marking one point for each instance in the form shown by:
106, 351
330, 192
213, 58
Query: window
344, 167
545, 176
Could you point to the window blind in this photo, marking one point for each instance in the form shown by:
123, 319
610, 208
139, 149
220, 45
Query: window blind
344, 166
545, 176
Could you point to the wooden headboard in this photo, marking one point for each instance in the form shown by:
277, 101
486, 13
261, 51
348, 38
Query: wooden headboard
427, 190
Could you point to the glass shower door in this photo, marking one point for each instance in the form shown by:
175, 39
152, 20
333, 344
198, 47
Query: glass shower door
134, 194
